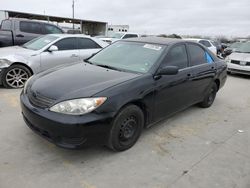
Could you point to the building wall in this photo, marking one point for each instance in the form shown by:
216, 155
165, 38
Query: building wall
118, 28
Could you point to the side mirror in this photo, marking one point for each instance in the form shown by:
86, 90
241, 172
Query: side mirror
168, 70
53, 48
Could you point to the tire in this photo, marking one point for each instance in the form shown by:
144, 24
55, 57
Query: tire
15, 76
210, 97
126, 128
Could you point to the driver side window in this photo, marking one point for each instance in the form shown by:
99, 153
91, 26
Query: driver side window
67, 44
177, 56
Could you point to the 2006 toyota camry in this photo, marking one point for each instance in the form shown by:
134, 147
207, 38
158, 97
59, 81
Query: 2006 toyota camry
112, 96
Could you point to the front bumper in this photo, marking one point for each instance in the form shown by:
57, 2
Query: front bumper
234, 68
67, 131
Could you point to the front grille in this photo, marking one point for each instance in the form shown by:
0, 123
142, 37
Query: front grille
38, 130
39, 101
235, 62
238, 62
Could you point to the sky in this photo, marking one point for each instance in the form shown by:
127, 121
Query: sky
184, 17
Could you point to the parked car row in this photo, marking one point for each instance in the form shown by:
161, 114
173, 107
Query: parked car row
18, 63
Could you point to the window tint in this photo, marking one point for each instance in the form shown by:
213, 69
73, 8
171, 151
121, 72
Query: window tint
205, 43
84, 43
197, 55
51, 29
130, 36
66, 44
6, 25
31, 27
177, 56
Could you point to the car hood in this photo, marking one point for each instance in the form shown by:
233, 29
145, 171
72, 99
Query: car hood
77, 81
240, 56
16, 51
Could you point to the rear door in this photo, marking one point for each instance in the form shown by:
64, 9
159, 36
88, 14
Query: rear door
87, 47
27, 31
67, 53
173, 92
203, 70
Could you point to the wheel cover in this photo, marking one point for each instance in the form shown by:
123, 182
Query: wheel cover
128, 129
16, 77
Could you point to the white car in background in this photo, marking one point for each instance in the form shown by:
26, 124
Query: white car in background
113, 37
239, 60
208, 43
18, 63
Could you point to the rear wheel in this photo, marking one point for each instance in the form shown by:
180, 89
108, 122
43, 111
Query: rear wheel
210, 97
16, 76
126, 128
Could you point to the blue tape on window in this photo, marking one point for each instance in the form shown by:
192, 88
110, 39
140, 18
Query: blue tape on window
208, 58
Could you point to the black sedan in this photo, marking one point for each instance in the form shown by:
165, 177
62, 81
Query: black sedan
128, 86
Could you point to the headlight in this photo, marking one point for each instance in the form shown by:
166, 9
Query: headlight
227, 60
4, 63
78, 106
26, 85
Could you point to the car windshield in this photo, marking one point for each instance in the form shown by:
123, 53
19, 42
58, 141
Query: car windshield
116, 35
129, 56
244, 48
40, 42
235, 45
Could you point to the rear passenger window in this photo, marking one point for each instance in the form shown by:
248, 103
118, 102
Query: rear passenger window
50, 29
205, 43
197, 55
31, 27
6, 25
130, 36
66, 44
87, 44
177, 56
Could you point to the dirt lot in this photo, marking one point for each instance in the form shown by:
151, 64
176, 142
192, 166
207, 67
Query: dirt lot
196, 148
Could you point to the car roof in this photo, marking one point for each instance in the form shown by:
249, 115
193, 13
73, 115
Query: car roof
70, 35
155, 40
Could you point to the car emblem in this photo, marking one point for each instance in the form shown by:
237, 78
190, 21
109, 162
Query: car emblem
243, 63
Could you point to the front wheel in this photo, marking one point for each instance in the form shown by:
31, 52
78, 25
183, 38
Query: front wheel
15, 76
210, 97
126, 128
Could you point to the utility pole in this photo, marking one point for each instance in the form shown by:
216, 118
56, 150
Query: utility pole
73, 9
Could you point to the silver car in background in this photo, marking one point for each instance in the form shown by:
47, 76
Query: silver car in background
18, 63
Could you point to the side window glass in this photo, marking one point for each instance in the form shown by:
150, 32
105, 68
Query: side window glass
130, 36
6, 25
177, 56
197, 55
66, 44
50, 29
30, 27
84, 43
209, 58
205, 43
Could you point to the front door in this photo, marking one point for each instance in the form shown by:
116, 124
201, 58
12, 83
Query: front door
67, 53
173, 92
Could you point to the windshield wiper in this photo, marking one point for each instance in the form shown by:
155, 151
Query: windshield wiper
87, 61
108, 67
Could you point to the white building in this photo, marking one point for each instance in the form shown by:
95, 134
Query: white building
118, 28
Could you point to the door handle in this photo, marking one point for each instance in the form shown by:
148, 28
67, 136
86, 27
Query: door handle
74, 56
19, 35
